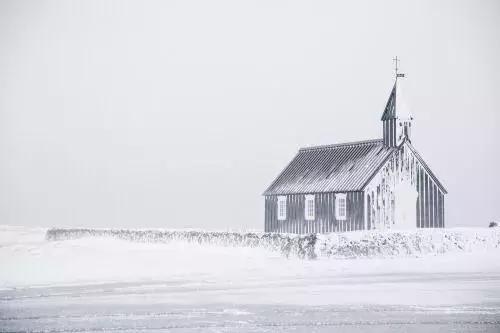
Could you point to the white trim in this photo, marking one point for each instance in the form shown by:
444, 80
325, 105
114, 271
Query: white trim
341, 206
309, 207
281, 208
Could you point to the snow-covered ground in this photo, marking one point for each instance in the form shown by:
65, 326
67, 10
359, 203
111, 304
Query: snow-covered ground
427, 280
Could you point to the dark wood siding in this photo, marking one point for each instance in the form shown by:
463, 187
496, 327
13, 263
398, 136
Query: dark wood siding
430, 210
324, 221
368, 216
418, 198
427, 197
430, 202
389, 129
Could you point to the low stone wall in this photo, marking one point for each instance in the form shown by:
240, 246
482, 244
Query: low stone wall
301, 246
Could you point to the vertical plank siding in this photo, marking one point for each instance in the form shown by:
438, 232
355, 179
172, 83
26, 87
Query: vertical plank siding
418, 199
369, 215
442, 211
325, 220
429, 207
389, 129
430, 202
426, 202
429, 210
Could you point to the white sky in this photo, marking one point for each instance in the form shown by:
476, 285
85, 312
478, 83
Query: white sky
180, 114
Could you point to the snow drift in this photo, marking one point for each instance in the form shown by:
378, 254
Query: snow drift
407, 243
366, 244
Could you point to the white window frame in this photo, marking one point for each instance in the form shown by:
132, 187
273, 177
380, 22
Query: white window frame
309, 207
341, 214
281, 208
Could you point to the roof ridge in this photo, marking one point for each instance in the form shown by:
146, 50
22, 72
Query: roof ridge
344, 144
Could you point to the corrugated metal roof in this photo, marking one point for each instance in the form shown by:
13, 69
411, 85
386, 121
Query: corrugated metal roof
333, 168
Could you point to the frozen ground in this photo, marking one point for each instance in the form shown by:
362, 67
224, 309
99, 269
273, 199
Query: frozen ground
105, 284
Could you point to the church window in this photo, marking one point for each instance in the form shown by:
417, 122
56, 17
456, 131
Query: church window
341, 206
282, 208
309, 207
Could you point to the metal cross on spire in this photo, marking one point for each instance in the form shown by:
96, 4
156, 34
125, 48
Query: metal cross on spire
396, 63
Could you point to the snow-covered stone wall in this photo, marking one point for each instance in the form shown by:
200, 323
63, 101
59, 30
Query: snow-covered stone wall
301, 246
415, 243
359, 244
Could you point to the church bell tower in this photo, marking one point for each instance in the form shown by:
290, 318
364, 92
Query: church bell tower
396, 119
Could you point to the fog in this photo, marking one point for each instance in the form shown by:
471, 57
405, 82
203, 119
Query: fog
180, 114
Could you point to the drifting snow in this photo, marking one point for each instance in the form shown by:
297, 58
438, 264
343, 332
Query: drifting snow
112, 280
370, 244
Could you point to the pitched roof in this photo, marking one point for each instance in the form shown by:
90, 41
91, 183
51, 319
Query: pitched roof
333, 168
426, 167
396, 105
390, 107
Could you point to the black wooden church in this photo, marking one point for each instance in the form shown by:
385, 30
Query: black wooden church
375, 184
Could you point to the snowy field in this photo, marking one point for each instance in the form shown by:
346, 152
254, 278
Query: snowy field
432, 281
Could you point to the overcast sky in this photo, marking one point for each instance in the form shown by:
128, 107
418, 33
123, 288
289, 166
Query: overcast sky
180, 114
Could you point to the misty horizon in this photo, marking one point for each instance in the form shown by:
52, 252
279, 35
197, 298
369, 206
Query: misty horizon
180, 115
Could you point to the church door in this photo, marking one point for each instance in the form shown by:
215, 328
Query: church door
405, 215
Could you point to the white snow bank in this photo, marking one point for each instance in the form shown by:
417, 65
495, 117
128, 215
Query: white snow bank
177, 270
407, 243
368, 244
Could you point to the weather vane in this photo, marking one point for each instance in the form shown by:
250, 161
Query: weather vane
396, 62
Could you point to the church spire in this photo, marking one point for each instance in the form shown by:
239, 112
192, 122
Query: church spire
396, 67
396, 118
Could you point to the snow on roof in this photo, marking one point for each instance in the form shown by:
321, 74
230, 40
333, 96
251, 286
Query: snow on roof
396, 106
402, 109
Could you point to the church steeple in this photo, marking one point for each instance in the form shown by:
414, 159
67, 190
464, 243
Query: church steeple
396, 118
